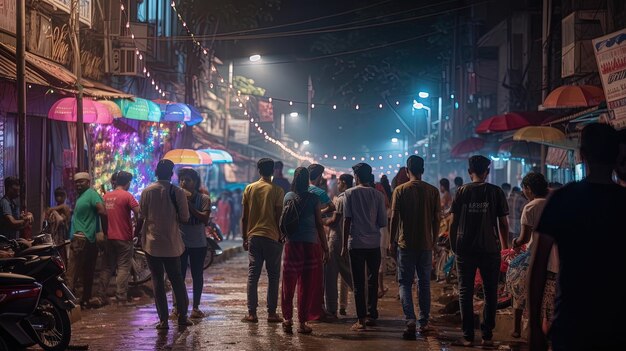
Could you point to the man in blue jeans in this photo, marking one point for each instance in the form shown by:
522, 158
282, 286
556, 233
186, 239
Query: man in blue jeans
262, 207
414, 228
478, 232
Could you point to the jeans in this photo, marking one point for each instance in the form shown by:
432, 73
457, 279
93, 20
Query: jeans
118, 254
336, 265
158, 267
489, 265
410, 261
262, 249
194, 257
359, 259
82, 264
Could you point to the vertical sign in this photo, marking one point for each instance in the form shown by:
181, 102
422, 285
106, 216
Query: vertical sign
610, 53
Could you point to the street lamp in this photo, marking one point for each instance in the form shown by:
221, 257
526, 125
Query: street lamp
255, 58
293, 114
423, 94
420, 106
306, 142
397, 131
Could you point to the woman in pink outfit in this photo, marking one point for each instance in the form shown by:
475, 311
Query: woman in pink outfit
223, 213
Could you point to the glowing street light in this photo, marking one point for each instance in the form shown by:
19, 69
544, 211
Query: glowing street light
423, 94
306, 142
255, 58
397, 131
293, 114
394, 140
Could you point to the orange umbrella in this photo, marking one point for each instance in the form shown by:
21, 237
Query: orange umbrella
541, 135
188, 157
113, 108
570, 96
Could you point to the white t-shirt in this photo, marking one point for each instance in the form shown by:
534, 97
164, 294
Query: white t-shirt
530, 217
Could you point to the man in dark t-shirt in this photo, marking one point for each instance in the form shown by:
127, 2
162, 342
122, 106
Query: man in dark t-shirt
587, 222
478, 232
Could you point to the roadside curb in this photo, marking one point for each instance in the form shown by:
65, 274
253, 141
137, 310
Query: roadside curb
228, 253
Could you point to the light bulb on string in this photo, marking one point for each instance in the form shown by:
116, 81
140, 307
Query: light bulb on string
290, 103
334, 107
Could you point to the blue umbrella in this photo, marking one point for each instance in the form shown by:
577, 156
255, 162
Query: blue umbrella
196, 117
175, 113
218, 156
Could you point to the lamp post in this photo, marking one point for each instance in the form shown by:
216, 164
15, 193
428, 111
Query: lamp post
420, 106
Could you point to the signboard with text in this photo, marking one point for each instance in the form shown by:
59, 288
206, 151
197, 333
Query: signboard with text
610, 53
7, 16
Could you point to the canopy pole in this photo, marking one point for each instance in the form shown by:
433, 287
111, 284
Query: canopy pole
21, 95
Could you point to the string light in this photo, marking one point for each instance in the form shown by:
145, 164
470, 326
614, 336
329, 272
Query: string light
138, 53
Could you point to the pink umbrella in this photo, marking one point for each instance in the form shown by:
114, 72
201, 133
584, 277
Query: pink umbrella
93, 112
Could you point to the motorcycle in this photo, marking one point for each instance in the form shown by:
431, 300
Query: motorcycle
50, 320
19, 297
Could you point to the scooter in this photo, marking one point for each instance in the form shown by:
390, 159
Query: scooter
19, 297
50, 320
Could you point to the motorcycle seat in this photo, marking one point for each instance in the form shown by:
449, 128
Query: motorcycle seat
4, 262
34, 250
15, 279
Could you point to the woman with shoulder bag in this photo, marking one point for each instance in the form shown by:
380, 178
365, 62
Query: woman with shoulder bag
306, 250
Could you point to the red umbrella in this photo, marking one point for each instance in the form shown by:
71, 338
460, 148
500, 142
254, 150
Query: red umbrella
511, 121
466, 147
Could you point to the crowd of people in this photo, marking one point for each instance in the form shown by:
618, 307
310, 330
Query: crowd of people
322, 238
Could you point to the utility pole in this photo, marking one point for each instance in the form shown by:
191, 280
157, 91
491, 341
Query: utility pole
439, 135
20, 14
80, 127
227, 103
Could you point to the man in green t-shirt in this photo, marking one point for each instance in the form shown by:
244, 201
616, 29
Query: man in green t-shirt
89, 213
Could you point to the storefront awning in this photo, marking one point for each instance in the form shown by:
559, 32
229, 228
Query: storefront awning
561, 157
43, 72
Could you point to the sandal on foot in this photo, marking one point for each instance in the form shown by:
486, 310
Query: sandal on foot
250, 319
305, 329
358, 327
288, 327
274, 319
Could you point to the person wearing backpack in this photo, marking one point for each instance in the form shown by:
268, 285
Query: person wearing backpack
262, 207
306, 250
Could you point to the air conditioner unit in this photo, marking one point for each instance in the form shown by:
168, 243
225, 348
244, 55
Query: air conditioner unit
578, 28
124, 62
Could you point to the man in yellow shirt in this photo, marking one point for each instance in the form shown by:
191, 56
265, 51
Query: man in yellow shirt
262, 206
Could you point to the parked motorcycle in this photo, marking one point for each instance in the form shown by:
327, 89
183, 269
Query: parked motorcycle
19, 297
50, 320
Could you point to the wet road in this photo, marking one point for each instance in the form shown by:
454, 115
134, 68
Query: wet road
224, 301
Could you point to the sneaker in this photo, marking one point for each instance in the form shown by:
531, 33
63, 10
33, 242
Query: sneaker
463, 342
358, 326
409, 332
342, 311
487, 342
163, 325
196, 314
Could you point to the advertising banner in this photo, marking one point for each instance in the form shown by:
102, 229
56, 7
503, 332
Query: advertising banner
610, 51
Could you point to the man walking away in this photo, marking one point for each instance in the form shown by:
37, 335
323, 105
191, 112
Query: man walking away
458, 182
414, 228
163, 206
478, 232
279, 179
119, 204
262, 207
586, 221
516, 202
364, 214
336, 265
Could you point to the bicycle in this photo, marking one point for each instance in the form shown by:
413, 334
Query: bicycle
140, 272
